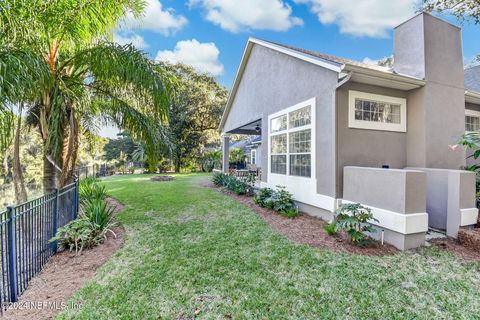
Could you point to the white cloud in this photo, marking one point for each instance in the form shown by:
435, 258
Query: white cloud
156, 19
372, 18
236, 16
202, 56
129, 37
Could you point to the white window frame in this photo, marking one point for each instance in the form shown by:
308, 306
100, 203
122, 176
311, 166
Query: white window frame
372, 125
471, 113
253, 155
311, 127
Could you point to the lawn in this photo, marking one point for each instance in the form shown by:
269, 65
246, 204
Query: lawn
191, 252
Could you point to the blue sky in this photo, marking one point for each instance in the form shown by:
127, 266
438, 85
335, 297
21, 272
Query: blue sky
211, 34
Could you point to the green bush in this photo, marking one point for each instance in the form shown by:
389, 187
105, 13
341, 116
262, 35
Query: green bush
354, 218
89, 189
243, 185
282, 200
89, 230
262, 195
330, 228
279, 200
290, 213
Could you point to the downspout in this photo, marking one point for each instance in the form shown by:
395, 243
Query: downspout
339, 84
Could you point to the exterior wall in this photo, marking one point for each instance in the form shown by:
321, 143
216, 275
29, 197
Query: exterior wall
397, 199
450, 199
273, 81
365, 147
428, 47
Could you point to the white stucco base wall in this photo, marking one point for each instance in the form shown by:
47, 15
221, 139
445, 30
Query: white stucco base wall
303, 190
468, 216
398, 222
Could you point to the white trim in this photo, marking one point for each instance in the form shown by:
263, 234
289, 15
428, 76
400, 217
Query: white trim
304, 189
334, 66
253, 151
372, 125
407, 223
468, 216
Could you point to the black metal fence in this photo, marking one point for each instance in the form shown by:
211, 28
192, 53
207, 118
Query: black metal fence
25, 231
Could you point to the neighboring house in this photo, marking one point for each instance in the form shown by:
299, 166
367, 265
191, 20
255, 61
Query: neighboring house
336, 131
250, 146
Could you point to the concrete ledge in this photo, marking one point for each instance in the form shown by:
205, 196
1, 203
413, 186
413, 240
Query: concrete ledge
468, 216
398, 222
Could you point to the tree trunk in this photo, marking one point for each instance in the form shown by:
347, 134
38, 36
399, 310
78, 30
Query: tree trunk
49, 175
69, 151
18, 180
177, 166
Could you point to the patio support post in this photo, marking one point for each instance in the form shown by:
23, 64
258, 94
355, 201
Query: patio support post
225, 152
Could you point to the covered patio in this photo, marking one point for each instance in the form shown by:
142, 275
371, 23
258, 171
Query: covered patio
253, 166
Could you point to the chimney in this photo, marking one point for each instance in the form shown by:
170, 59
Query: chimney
429, 48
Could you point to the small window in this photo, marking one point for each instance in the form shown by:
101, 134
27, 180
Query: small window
278, 151
278, 124
377, 112
472, 120
300, 117
253, 156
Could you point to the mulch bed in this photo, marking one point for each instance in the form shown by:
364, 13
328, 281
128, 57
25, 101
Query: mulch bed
308, 230
456, 248
64, 274
162, 178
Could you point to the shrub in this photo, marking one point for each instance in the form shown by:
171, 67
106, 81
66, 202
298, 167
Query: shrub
290, 213
279, 200
242, 185
262, 195
282, 200
330, 228
99, 213
89, 230
353, 218
90, 189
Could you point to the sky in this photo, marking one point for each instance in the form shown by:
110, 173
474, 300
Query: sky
211, 35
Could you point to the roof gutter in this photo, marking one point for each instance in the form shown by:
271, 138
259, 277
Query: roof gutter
472, 97
344, 80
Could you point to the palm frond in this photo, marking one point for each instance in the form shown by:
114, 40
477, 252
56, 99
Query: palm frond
120, 69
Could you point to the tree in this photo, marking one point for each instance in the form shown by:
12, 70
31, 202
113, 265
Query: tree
76, 78
194, 113
462, 9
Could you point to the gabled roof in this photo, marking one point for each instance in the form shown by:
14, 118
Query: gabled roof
472, 78
362, 72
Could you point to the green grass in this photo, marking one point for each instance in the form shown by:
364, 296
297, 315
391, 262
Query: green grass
191, 252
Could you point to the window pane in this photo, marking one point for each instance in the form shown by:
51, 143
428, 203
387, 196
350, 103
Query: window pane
300, 117
300, 165
472, 123
279, 144
300, 141
279, 164
278, 124
377, 111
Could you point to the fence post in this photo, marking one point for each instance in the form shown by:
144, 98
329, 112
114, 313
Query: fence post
54, 244
12, 254
76, 199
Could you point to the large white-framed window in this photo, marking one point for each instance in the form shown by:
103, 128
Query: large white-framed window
376, 112
472, 120
290, 143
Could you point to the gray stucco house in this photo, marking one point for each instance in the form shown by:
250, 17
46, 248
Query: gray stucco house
336, 131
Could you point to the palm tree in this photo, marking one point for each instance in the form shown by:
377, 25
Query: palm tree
75, 78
